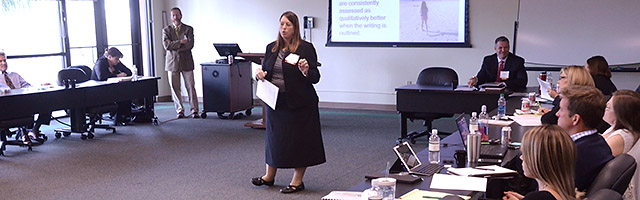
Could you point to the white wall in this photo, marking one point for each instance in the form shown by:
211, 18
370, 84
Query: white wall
349, 74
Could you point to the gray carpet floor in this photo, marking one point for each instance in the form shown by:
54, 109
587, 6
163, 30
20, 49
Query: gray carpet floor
207, 158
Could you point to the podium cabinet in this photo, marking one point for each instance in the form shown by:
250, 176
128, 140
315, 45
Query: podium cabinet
227, 88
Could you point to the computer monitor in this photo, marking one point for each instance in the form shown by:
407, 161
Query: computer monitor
225, 49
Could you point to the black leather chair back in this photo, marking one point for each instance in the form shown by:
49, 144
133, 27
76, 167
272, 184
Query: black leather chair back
438, 76
605, 194
87, 71
71, 74
615, 175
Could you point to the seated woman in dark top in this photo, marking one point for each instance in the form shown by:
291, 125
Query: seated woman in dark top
598, 67
570, 75
549, 157
109, 66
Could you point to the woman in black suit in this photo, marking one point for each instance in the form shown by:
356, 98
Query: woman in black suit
598, 67
293, 128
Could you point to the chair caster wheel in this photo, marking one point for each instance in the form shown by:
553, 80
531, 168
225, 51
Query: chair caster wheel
154, 121
45, 138
29, 148
413, 141
66, 134
58, 135
90, 135
203, 115
221, 115
84, 137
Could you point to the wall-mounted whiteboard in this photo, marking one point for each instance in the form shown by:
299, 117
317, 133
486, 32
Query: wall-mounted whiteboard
568, 32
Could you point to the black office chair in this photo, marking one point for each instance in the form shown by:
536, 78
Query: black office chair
5, 132
71, 74
615, 175
77, 74
605, 194
85, 69
432, 76
638, 89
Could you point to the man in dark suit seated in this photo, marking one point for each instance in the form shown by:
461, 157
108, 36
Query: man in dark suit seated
581, 110
502, 66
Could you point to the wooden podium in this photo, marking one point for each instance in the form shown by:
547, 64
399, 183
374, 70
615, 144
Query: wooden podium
255, 58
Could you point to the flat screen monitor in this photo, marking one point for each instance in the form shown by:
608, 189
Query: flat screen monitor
225, 49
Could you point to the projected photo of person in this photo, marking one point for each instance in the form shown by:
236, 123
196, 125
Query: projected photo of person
424, 14
442, 16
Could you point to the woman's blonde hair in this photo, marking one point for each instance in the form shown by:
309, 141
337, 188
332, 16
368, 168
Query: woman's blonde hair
550, 157
578, 75
295, 39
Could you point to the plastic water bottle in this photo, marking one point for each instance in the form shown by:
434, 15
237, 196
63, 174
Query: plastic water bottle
134, 76
483, 123
550, 80
473, 123
434, 147
502, 107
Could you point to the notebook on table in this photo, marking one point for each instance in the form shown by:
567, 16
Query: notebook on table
410, 160
486, 151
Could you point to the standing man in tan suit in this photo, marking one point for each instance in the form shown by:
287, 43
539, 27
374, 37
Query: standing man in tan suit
178, 42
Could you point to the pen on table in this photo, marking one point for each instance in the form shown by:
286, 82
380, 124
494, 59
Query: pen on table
430, 197
484, 169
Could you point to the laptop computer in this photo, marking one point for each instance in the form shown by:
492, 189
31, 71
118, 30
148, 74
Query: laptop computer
410, 160
486, 151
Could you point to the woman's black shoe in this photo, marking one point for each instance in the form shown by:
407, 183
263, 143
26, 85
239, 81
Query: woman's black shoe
259, 181
292, 188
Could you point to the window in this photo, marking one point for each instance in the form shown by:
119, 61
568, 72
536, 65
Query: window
33, 35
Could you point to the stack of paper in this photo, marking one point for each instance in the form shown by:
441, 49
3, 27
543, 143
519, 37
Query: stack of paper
480, 171
452, 182
118, 79
342, 195
527, 120
416, 194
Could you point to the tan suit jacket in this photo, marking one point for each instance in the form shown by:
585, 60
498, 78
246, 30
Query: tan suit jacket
178, 56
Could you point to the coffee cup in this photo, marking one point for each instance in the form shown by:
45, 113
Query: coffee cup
461, 158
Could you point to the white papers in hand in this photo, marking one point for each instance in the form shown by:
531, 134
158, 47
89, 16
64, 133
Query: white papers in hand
544, 89
268, 92
451, 182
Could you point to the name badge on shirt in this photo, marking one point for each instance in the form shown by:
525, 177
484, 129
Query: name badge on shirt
292, 59
504, 75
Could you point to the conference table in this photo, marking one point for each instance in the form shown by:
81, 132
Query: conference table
448, 146
413, 100
19, 103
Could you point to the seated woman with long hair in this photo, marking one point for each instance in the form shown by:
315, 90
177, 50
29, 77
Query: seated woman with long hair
598, 67
622, 114
549, 157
